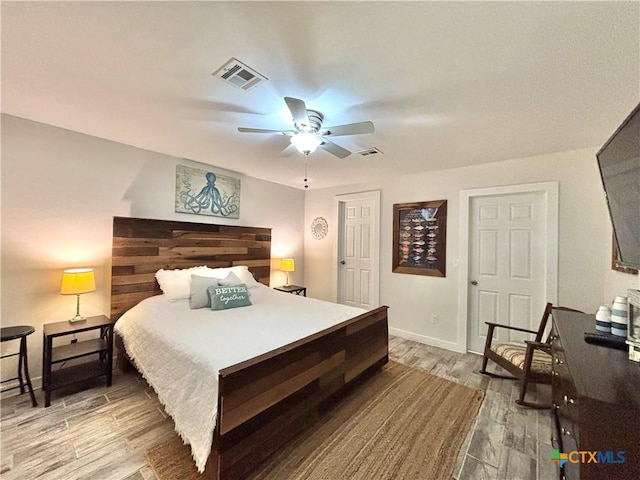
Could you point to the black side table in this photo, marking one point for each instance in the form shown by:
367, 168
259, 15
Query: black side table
15, 333
293, 289
101, 348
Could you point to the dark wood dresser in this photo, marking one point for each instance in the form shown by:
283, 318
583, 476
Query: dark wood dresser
596, 398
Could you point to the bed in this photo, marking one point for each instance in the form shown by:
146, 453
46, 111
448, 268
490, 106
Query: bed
265, 400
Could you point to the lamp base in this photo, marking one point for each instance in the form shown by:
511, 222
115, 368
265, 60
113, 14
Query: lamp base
78, 317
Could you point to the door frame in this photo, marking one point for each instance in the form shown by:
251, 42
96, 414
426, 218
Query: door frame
550, 191
338, 208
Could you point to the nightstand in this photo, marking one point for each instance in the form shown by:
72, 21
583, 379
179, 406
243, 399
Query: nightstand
294, 289
101, 346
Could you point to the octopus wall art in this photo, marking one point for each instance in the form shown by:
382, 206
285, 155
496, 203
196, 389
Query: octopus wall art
204, 192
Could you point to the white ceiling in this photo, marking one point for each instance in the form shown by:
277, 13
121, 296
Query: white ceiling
446, 84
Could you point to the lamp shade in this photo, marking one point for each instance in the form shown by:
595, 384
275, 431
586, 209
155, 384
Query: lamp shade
77, 280
288, 265
306, 142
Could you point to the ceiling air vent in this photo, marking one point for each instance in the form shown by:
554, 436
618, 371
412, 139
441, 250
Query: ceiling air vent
370, 151
239, 75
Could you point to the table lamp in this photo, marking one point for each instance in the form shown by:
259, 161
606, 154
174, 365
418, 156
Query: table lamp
77, 281
287, 265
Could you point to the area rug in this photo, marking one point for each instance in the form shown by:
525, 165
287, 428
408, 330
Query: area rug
401, 423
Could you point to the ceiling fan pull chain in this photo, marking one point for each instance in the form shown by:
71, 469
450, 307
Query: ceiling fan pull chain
306, 158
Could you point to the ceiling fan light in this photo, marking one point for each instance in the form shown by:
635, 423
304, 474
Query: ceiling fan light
306, 142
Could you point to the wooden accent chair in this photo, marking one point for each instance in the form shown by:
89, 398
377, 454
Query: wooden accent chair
529, 362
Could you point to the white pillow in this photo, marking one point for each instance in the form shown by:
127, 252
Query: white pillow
245, 276
176, 284
218, 273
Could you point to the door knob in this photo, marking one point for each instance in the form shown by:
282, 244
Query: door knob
474, 283
342, 262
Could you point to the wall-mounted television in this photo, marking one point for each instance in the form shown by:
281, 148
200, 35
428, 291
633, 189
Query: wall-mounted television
619, 162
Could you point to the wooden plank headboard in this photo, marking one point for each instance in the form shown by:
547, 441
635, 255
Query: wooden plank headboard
142, 246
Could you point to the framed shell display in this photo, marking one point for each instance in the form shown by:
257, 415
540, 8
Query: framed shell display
419, 238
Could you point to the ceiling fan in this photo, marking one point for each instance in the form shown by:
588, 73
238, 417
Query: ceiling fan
309, 134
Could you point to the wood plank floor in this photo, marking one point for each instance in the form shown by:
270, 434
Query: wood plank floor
102, 433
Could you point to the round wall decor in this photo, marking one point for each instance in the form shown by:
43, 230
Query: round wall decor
319, 228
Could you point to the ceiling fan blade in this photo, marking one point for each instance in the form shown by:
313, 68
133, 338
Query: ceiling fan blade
298, 111
262, 130
288, 151
348, 129
334, 149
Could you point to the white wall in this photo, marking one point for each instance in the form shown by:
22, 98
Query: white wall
585, 278
60, 190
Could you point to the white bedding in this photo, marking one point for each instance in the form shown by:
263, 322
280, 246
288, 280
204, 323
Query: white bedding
180, 351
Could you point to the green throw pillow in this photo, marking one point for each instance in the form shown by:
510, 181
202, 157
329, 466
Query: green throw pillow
228, 297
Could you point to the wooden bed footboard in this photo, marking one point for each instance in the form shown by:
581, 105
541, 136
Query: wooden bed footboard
265, 401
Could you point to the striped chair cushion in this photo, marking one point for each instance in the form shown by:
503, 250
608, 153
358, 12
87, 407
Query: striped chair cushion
541, 362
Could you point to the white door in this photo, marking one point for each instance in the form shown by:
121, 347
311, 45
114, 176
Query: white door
507, 248
357, 252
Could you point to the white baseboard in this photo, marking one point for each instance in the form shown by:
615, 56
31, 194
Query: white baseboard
434, 342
